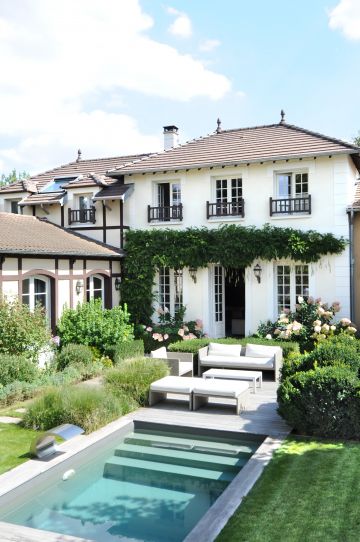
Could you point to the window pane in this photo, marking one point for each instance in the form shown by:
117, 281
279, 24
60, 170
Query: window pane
14, 207
178, 294
164, 287
97, 283
221, 190
84, 202
283, 287
218, 280
26, 286
97, 294
284, 185
39, 286
176, 194
236, 189
40, 299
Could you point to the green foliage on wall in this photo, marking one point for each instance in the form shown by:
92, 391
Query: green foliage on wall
230, 246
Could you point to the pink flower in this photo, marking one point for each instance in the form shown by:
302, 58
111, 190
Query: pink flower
149, 328
160, 311
166, 336
56, 340
181, 332
157, 337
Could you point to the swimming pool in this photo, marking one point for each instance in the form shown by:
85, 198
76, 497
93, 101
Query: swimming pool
150, 484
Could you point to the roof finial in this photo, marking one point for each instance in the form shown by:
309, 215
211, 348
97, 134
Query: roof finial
79, 156
218, 129
282, 113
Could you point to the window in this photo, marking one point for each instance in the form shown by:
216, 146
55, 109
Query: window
85, 202
35, 291
14, 208
55, 185
292, 282
85, 211
171, 289
95, 288
218, 293
228, 198
167, 202
291, 194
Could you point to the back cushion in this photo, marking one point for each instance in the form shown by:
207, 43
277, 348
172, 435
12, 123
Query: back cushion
230, 350
259, 351
160, 353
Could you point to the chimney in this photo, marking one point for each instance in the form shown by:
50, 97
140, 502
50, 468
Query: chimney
171, 137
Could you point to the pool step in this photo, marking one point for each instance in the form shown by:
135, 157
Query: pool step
124, 468
181, 457
193, 444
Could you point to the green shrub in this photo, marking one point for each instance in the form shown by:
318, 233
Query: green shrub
134, 377
322, 402
16, 368
126, 350
91, 325
72, 354
22, 332
17, 391
88, 408
192, 346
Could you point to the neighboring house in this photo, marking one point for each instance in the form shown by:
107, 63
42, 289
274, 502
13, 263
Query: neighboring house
278, 174
43, 263
354, 220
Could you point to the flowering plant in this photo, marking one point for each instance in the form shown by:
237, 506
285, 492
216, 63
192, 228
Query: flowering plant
170, 328
312, 321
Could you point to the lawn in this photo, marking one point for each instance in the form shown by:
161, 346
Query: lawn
309, 492
14, 445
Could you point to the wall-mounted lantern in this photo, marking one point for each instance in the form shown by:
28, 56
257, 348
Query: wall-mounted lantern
117, 284
192, 273
257, 272
79, 286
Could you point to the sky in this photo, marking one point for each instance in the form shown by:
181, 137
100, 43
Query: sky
105, 76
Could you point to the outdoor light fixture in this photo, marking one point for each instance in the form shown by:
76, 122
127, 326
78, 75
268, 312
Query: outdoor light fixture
117, 284
79, 286
257, 272
192, 273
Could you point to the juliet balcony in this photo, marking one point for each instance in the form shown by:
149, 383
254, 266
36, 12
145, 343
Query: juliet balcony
165, 213
290, 206
82, 215
226, 208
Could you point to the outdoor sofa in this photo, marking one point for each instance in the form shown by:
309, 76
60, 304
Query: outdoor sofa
255, 357
180, 363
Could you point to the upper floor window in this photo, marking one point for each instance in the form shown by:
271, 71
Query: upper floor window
292, 282
228, 198
291, 194
168, 204
85, 211
95, 288
171, 289
36, 291
14, 207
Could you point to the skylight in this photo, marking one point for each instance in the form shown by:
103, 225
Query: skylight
55, 185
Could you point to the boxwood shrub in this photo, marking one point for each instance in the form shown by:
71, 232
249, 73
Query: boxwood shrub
72, 354
125, 350
16, 368
322, 402
134, 377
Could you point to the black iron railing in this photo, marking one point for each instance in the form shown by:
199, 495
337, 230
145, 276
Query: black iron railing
290, 206
82, 215
225, 208
165, 213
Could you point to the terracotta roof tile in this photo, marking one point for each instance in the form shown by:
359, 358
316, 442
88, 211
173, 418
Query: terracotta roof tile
115, 191
45, 198
28, 235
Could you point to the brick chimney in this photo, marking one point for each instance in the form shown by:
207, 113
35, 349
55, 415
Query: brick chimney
171, 137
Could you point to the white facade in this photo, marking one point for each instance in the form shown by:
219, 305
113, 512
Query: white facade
331, 186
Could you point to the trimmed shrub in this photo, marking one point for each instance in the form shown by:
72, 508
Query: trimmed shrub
88, 408
192, 346
126, 350
92, 325
134, 377
322, 402
16, 368
22, 331
72, 354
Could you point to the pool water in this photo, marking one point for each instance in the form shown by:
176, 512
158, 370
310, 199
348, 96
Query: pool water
152, 486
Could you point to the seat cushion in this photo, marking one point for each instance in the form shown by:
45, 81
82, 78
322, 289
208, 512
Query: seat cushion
185, 367
260, 350
217, 349
220, 388
243, 362
220, 359
160, 353
173, 384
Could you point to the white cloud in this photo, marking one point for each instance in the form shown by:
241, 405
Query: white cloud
209, 45
182, 26
55, 54
345, 16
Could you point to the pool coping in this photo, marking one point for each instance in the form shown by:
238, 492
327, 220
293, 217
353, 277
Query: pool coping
207, 528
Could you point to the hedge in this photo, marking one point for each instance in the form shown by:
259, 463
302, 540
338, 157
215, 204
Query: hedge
125, 350
322, 402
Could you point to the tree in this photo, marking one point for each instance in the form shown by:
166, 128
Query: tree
356, 139
13, 176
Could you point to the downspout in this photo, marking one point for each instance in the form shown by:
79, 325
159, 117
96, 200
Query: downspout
351, 262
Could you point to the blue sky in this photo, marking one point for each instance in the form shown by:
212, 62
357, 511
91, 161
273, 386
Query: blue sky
106, 75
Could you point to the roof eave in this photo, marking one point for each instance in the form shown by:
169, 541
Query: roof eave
23, 253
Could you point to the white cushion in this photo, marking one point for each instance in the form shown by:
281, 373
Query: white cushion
260, 351
220, 388
221, 359
245, 362
185, 367
173, 384
217, 349
160, 353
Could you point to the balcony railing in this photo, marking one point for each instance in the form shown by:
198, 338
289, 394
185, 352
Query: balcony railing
82, 215
290, 206
225, 208
165, 213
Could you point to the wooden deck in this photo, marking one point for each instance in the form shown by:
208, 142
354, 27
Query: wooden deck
260, 416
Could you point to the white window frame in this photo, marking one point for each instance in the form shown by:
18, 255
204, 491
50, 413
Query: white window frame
293, 174
171, 289
89, 288
31, 295
175, 192
13, 202
297, 285
227, 188
89, 196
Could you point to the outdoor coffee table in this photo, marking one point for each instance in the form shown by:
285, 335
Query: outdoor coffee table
233, 374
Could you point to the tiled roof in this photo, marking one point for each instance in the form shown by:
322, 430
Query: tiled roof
28, 235
115, 191
46, 198
98, 166
356, 203
244, 145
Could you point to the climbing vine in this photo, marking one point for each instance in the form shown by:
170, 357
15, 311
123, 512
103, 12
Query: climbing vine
230, 246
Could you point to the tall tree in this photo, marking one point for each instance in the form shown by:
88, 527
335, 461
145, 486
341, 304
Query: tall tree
356, 139
13, 176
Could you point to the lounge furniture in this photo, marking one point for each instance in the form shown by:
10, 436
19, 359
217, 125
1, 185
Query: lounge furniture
181, 385
199, 390
180, 363
256, 357
235, 374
